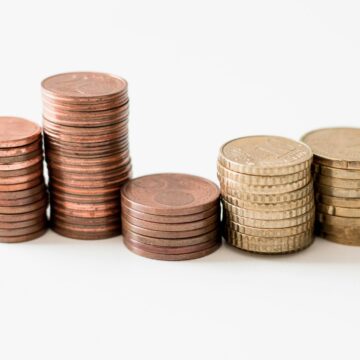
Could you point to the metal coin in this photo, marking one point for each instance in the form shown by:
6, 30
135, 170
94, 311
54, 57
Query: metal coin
21, 179
14, 195
41, 225
22, 238
337, 192
338, 211
21, 150
22, 164
38, 213
83, 199
85, 236
83, 191
24, 208
107, 220
337, 220
337, 201
338, 183
336, 173
21, 172
24, 201
22, 186
20, 158
22, 224
80, 228
85, 207
96, 213
348, 235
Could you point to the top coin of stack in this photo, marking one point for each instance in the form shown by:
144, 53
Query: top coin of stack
337, 183
171, 216
86, 137
23, 196
267, 194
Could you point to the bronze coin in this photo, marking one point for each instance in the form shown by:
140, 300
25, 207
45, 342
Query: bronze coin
24, 201
170, 194
21, 179
90, 213
20, 158
22, 164
15, 132
155, 256
170, 219
83, 199
85, 236
14, 195
168, 234
85, 221
86, 207
169, 250
210, 236
21, 172
24, 208
38, 213
23, 231
22, 224
82, 191
195, 225
80, 228
22, 186
21, 150
22, 238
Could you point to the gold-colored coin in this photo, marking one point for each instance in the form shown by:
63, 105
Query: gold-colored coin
260, 180
269, 198
348, 235
338, 238
337, 220
338, 183
270, 245
265, 189
268, 215
265, 155
336, 191
335, 147
270, 224
259, 232
336, 173
280, 206
338, 211
338, 201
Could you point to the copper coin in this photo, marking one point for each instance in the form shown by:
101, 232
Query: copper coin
86, 207
20, 158
22, 238
91, 213
22, 224
38, 213
210, 236
83, 191
22, 164
169, 250
83, 86
24, 201
155, 256
98, 228
171, 219
189, 226
22, 186
85, 236
23, 231
14, 195
21, 150
24, 208
170, 194
21, 172
85, 221
168, 234
21, 179
83, 199
16, 132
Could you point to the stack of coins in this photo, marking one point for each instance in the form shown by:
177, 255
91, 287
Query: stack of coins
267, 194
337, 183
23, 196
86, 137
171, 216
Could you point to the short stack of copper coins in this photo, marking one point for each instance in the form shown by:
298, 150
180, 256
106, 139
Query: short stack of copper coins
337, 183
171, 216
267, 194
87, 152
23, 196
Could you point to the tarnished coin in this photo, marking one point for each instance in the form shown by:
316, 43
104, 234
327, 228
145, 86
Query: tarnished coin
338, 201
270, 245
22, 238
155, 256
336, 173
335, 147
211, 236
336, 191
170, 194
265, 155
16, 132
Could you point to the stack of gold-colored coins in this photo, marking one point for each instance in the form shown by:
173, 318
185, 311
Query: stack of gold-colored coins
337, 183
87, 152
267, 194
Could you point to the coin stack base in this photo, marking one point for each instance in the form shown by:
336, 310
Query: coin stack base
171, 216
87, 152
23, 195
267, 194
337, 183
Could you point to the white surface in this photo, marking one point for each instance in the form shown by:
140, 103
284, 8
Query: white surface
200, 73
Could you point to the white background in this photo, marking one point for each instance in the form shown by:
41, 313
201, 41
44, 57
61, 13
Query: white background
200, 73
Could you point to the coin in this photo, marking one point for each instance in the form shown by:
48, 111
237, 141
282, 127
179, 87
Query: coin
24, 201
22, 238
90, 213
337, 220
336, 173
21, 179
349, 235
19, 158
22, 186
21, 164
338, 211
94, 229
17, 132
21, 150
24, 208
337, 192
13, 195
335, 147
85, 235
56, 214
339, 183
338, 201
38, 213
170, 194
21, 172
23, 231
265, 155
22, 224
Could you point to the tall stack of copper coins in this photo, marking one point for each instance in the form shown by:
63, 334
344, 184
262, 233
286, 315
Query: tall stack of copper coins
23, 196
267, 194
171, 216
87, 152
337, 183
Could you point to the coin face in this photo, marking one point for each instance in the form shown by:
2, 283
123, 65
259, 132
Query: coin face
265, 155
83, 85
170, 194
336, 147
